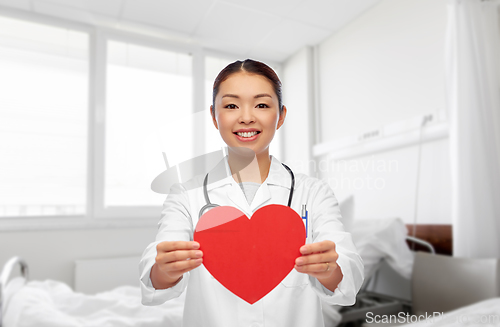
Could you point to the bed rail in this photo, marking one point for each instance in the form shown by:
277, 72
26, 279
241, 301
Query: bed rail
367, 301
421, 242
7, 270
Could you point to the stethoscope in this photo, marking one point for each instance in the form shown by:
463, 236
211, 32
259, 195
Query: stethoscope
210, 205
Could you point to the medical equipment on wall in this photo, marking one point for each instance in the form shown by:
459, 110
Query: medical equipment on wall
426, 119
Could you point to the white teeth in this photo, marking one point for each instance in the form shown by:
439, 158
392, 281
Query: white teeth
247, 134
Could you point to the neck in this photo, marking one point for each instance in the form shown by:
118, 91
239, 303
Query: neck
249, 167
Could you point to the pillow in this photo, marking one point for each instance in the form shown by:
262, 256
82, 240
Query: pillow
383, 239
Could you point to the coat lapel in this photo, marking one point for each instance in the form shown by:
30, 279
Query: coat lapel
278, 176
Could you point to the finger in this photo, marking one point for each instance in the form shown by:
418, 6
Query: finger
180, 266
173, 256
177, 245
317, 247
317, 258
182, 272
175, 274
316, 268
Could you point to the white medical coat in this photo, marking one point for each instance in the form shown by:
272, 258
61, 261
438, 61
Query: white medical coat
296, 300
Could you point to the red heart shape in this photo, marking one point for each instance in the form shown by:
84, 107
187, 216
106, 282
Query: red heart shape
250, 257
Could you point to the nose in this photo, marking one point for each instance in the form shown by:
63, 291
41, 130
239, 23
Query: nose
247, 115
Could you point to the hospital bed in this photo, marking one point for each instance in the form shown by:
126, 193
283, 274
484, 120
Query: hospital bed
51, 303
446, 291
382, 243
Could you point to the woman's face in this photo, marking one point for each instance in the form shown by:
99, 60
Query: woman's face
247, 105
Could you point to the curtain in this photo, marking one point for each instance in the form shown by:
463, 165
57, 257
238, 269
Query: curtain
473, 100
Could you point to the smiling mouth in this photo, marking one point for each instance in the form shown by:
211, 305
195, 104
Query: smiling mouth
247, 134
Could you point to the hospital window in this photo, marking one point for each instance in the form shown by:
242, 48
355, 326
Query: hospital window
213, 140
148, 126
43, 119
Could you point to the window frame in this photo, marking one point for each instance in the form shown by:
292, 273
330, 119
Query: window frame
103, 35
97, 216
10, 223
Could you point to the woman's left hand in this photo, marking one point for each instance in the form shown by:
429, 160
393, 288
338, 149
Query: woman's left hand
318, 259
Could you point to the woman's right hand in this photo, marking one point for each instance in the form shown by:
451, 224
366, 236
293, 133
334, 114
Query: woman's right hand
173, 259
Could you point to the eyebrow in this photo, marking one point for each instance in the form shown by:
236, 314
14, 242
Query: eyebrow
257, 96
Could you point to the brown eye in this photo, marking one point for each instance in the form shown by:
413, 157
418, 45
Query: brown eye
263, 104
230, 105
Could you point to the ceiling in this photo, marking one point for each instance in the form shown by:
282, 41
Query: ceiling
269, 30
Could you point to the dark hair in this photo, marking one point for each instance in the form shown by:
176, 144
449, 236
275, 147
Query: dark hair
253, 67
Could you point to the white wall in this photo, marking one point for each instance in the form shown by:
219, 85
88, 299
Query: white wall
51, 254
384, 184
296, 132
386, 66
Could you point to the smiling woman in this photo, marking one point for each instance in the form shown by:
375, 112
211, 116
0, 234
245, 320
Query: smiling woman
251, 67
213, 140
247, 111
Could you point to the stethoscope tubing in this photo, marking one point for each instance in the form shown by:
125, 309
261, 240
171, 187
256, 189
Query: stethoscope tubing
209, 205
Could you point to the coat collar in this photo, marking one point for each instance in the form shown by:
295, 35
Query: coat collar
221, 173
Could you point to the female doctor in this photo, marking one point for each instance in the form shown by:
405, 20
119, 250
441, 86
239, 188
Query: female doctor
247, 110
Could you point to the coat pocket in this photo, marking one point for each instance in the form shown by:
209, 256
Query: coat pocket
295, 279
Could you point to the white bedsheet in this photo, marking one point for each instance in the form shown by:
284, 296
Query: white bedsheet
54, 304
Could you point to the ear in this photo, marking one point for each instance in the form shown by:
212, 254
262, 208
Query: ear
282, 118
212, 113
